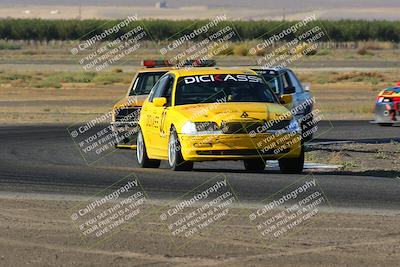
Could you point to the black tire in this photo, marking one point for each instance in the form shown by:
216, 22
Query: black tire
294, 165
385, 124
175, 159
141, 153
254, 165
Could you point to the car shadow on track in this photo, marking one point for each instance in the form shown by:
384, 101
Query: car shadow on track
235, 171
370, 173
355, 140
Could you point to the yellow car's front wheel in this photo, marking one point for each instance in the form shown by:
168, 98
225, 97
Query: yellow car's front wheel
175, 159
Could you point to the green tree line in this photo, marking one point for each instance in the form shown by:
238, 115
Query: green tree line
337, 31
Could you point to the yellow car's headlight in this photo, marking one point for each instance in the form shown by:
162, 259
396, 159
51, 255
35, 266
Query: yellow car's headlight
200, 128
189, 128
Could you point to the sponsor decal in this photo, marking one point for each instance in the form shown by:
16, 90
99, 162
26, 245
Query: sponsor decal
222, 78
244, 115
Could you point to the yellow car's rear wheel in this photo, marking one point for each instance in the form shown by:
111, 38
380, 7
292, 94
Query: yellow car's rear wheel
141, 153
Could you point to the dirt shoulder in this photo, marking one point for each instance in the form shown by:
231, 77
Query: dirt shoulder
378, 159
40, 233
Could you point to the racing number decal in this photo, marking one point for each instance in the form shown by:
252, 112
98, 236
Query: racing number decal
149, 120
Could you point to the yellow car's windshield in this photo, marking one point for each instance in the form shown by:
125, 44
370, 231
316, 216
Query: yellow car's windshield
222, 88
144, 82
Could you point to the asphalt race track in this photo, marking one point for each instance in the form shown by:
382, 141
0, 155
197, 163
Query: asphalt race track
43, 159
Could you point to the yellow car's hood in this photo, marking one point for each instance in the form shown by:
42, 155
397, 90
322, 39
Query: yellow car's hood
130, 101
234, 111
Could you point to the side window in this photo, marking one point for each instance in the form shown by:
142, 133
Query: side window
167, 93
286, 81
158, 89
153, 91
151, 95
295, 82
272, 81
134, 85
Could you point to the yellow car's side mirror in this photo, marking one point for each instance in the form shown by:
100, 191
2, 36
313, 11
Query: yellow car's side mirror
159, 101
286, 99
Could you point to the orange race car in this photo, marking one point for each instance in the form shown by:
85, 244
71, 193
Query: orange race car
387, 106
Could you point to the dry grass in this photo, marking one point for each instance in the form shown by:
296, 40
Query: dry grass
360, 157
377, 45
364, 52
344, 101
56, 50
37, 79
241, 49
348, 95
69, 104
369, 77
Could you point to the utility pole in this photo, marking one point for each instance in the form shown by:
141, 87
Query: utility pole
80, 12
284, 14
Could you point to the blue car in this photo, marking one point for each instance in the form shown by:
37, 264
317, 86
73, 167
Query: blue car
284, 82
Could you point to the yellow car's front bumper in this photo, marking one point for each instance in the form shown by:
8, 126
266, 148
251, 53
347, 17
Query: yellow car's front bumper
240, 146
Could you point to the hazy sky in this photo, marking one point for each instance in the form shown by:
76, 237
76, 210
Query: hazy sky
233, 3
241, 9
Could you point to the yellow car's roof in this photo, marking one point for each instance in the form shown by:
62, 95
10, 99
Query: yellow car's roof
211, 70
161, 69
198, 70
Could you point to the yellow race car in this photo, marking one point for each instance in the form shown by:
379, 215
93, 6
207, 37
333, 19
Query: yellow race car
217, 114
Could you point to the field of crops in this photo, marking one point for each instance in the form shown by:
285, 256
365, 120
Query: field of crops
338, 31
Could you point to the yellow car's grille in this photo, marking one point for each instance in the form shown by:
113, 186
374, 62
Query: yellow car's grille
252, 126
239, 152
